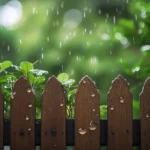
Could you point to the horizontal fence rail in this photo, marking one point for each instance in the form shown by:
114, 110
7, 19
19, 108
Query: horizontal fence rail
70, 132
87, 131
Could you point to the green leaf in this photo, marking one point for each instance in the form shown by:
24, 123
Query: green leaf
63, 77
6, 64
26, 67
39, 80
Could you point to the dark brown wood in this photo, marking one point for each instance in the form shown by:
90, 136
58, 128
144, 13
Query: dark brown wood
22, 134
119, 116
87, 115
1, 119
145, 116
53, 131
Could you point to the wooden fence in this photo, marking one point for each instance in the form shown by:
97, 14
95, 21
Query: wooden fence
86, 131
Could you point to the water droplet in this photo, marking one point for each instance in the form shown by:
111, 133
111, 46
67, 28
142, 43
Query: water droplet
29, 129
30, 105
27, 117
92, 125
84, 81
93, 94
121, 99
93, 109
61, 104
12, 96
14, 93
147, 115
82, 131
112, 108
29, 90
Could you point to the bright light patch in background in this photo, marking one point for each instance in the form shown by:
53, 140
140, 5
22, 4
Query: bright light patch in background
10, 14
72, 18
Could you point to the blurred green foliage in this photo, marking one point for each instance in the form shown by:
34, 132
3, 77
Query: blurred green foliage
79, 39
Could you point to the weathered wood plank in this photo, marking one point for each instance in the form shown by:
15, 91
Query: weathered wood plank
119, 116
87, 124
22, 134
145, 116
1, 119
53, 121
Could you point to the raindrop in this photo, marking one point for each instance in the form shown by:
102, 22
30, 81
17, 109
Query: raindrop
93, 95
69, 52
57, 12
112, 108
8, 48
61, 104
121, 99
84, 81
29, 129
14, 93
29, 90
60, 44
82, 131
27, 117
47, 38
62, 5
42, 56
147, 115
92, 125
12, 96
84, 15
93, 109
20, 41
99, 12
33, 10
114, 19
30, 105
47, 12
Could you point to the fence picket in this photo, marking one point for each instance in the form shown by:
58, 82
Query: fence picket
119, 116
145, 115
87, 124
22, 132
1, 119
53, 121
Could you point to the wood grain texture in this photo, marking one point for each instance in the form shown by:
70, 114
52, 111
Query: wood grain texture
1, 119
87, 102
119, 116
53, 131
22, 132
145, 116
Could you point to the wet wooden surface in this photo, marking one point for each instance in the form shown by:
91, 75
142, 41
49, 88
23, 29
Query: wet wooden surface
1, 119
22, 134
53, 131
87, 124
145, 116
119, 116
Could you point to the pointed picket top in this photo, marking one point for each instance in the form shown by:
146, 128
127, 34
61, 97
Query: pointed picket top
22, 103
53, 120
119, 110
146, 85
86, 80
1, 119
119, 80
23, 83
51, 80
87, 124
145, 115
